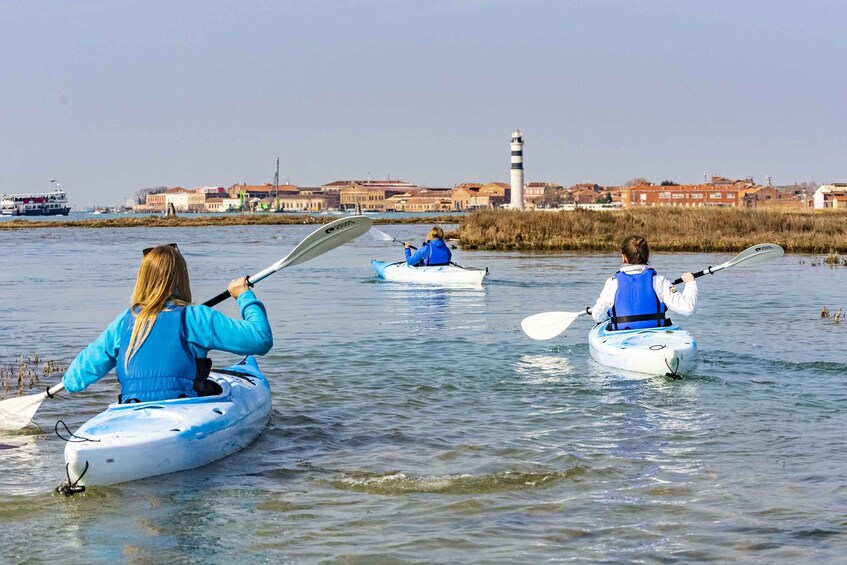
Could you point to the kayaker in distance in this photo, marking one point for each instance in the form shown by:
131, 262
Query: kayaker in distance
636, 297
433, 252
159, 344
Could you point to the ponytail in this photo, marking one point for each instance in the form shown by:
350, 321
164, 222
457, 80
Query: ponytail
636, 250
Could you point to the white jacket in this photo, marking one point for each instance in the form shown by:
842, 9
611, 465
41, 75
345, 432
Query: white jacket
684, 302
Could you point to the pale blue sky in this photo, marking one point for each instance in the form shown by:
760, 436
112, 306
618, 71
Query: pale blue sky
113, 96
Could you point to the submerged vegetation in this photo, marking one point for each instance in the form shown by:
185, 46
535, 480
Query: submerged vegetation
667, 229
26, 374
835, 318
834, 259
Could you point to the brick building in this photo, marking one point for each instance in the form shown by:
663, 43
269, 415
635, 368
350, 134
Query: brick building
768, 197
368, 195
720, 192
461, 195
492, 195
533, 193
429, 200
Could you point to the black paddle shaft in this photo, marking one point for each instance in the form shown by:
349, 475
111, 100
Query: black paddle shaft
403, 243
222, 296
706, 271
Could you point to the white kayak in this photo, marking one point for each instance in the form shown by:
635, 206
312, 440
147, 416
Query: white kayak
654, 351
128, 442
436, 274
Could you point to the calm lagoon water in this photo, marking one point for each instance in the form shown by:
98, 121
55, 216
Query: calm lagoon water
420, 425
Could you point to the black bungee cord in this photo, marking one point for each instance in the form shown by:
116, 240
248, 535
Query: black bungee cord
72, 487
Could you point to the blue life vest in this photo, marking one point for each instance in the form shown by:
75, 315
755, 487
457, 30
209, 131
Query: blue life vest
439, 253
636, 304
163, 367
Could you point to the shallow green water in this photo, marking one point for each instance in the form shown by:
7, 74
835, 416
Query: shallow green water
421, 425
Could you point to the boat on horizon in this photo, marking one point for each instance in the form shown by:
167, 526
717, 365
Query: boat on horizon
52, 203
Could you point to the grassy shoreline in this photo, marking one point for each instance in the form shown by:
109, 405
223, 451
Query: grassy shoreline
667, 229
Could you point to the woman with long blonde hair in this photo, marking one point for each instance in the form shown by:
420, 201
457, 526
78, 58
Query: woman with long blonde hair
433, 252
159, 345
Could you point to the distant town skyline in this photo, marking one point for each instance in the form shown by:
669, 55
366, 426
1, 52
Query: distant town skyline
110, 98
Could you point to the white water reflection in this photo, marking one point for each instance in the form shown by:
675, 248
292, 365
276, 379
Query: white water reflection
537, 369
430, 309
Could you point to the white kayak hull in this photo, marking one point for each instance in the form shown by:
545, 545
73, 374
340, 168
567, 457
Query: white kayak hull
134, 441
438, 274
653, 351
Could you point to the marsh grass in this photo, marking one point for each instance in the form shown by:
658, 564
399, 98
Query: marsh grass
26, 374
666, 229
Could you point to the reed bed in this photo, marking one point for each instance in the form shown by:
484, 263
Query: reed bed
667, 229
26, 374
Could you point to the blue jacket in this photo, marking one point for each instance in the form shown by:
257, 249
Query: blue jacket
433, 252
204, 329
636, 304
162, 368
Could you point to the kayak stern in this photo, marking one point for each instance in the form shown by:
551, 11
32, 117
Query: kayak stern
429, 274
668, 351
128, 442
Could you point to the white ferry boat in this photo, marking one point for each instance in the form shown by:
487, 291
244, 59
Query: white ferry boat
35, 204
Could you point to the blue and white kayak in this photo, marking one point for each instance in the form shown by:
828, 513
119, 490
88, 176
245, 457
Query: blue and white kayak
128, 442
653, 351
437, 274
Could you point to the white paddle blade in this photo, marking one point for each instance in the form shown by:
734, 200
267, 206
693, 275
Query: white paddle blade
380, 235
548, 325
756, 254
325, 238
17, 413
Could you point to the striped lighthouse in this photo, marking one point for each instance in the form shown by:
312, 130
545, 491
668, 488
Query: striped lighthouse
516, 202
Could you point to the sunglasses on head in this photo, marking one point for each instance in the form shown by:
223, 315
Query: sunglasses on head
149, 249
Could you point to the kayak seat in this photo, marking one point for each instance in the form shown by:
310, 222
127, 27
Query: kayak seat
209, 388
202, 385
